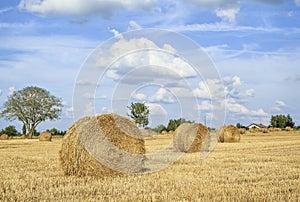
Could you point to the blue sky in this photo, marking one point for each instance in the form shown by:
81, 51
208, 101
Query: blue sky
254, 46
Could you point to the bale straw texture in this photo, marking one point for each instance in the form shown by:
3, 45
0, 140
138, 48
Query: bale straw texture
229, 134
188, 137
45, 136
4, 137
99, 146
148, 134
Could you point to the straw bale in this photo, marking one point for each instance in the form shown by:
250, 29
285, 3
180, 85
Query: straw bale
4, 137
45, 136
188, 137
104, 145
229, 134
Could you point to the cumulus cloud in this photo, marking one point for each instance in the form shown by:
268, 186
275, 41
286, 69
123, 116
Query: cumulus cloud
228, 95
161, 95
160, 60
133, 25
84, 7
227, 15
156, 109
1, 92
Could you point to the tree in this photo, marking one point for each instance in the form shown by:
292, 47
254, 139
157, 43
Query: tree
32, 106
139, 112
174, 123
159, 128
10, 131
24, 130
282, 121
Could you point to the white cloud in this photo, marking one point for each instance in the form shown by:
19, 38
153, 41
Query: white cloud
143, 52
84, 7
259, 113
133, 25
11, 90
297, 2
1, 91
205, 106
227, 15
161, 95
4, 10
156, 109
140, 97
250, 92
280, 103
116, 34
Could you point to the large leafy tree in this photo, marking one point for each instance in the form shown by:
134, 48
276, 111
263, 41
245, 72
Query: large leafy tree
282, 121
139, 112
174, 123
32, 105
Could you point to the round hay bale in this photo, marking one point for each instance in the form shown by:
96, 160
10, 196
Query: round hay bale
229, 134
102, 146
242, 131
264, 130
24, 137
188, 137
171, 132
4, 137
288, 128
164, 132
45, 136
148, 134
253, 130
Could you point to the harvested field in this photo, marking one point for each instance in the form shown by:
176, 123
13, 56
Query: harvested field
261, 167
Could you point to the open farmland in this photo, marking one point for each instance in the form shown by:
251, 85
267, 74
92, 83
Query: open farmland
262, 167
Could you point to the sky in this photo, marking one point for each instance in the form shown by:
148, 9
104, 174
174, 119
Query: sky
99, 56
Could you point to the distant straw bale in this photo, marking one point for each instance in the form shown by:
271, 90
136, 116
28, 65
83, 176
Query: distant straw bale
4, 137
229, 134
45, 136
188, 137
164, 132
253, 130
24, 137
288, 128
264, 130
104, 145
148, 134
242, 131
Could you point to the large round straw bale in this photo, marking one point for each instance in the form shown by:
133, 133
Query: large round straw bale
188, 137
103, 145
4, 137
288, 128
229, 134
45, 136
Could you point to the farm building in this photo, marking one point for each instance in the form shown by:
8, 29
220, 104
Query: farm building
255, 125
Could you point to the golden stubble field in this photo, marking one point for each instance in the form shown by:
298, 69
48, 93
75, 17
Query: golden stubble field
262, 167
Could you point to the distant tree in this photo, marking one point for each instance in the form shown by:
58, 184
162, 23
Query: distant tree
139, 112
282, 121
24, 130
55, 131
289, 122
159, 128
31, 106
238, 125
10, 131
174, 123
